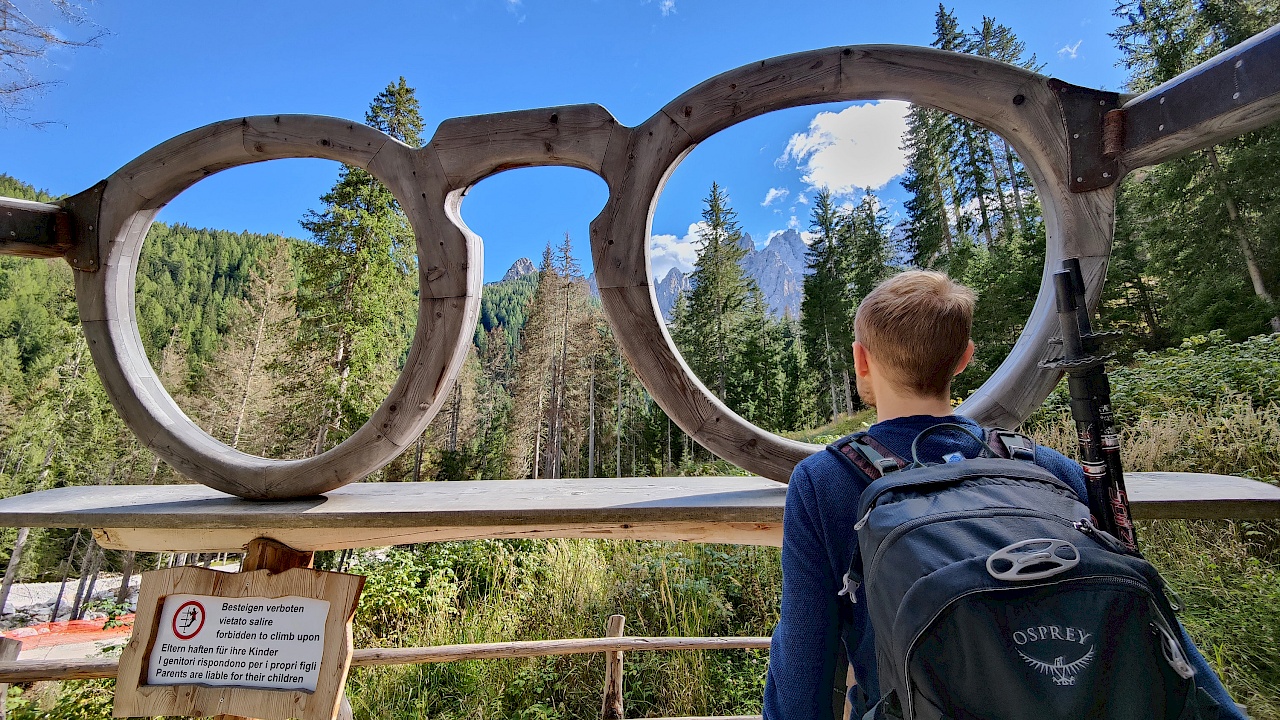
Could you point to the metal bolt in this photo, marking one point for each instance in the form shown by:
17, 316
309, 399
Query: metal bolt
1079, 179
1075, 136
1235, 96
1161, 127
1102, 102
1161, 101
1239, 63
1106, 174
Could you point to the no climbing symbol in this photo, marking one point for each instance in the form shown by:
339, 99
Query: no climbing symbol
189, 619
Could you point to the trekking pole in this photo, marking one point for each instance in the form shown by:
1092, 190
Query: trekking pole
1099, 386
1090, 393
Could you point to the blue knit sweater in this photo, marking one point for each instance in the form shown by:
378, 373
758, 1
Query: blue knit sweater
818, 546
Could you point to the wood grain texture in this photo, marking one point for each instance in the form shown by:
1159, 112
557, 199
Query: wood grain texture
233, 539
33, 229
33, 670
448, 306
263, 553
746, 510
430, 184
1228, 95
473, 148
1077, 225
611, 703
134, 698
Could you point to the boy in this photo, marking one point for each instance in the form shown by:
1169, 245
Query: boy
912, 338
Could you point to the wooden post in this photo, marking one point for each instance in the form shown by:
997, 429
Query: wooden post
9, 649
611, 708
267, 554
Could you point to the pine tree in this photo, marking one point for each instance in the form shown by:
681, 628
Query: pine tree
719, 290
826, 316
927, 180
872, 255
356, 295
1212, 204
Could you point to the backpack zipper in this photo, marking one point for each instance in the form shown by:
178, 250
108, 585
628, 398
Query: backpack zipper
1103, 580
910, 525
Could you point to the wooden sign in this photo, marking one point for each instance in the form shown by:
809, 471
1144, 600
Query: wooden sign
257, 644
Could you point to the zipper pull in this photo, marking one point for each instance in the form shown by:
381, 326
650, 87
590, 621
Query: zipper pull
862, 521
1175, 600
850, 588
1102, 537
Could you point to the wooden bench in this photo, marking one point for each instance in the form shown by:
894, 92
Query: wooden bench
738, 510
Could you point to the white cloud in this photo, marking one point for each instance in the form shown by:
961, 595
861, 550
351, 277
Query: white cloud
668, 251
1068, 52
855, 148
802, 199
793, 223
667, 7
775, 195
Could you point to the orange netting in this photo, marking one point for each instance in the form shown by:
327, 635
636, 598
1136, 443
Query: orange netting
64, 632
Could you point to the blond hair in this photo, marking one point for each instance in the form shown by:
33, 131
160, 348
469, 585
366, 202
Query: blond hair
916, 325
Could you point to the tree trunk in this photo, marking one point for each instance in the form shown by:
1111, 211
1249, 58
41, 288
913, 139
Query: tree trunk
66, 572
591, 422
86, 568
455, 414
848, 392
831, 375
1242, 237
537, 436
666, 468
1013, 183
1005, 219
11, 572
248, 378
126, 574
99, 557
417, 457
617, 426
942, 203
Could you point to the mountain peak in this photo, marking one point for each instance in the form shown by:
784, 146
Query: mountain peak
520, 268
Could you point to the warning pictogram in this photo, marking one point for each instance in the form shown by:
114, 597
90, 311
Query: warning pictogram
189, 619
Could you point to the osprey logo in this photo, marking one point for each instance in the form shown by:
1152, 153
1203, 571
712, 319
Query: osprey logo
1062, 643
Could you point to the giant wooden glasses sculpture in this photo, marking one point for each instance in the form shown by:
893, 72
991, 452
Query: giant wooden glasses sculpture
1076, 143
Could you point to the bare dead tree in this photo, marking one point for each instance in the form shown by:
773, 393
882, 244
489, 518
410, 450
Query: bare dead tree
29, 30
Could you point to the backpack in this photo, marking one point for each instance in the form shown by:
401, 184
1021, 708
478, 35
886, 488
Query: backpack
992, 594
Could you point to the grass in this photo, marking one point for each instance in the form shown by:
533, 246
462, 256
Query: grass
1226, 572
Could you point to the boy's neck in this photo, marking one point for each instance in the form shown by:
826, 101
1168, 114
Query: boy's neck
894, 405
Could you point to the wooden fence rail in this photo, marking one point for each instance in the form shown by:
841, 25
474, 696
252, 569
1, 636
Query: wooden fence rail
17, 671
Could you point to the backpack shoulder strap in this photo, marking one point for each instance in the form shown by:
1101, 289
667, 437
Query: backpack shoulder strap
868, 455
1011, 445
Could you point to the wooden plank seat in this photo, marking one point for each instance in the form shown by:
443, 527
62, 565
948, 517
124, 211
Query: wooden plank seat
740, 510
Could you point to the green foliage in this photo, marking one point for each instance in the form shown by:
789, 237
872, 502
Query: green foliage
503, 306
505, 590
15, 188
1196, 376
81, 700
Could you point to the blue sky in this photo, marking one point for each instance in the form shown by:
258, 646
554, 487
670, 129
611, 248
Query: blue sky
169, 67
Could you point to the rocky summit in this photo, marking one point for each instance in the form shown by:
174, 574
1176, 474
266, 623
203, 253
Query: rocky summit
520, 268
778, 268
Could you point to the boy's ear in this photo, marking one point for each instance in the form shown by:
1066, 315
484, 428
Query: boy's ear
861, 366
964, 359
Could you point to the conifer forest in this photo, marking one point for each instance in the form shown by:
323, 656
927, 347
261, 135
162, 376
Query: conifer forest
283, 346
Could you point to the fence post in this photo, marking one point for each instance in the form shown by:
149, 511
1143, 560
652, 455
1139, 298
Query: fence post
611, 708
9, 649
